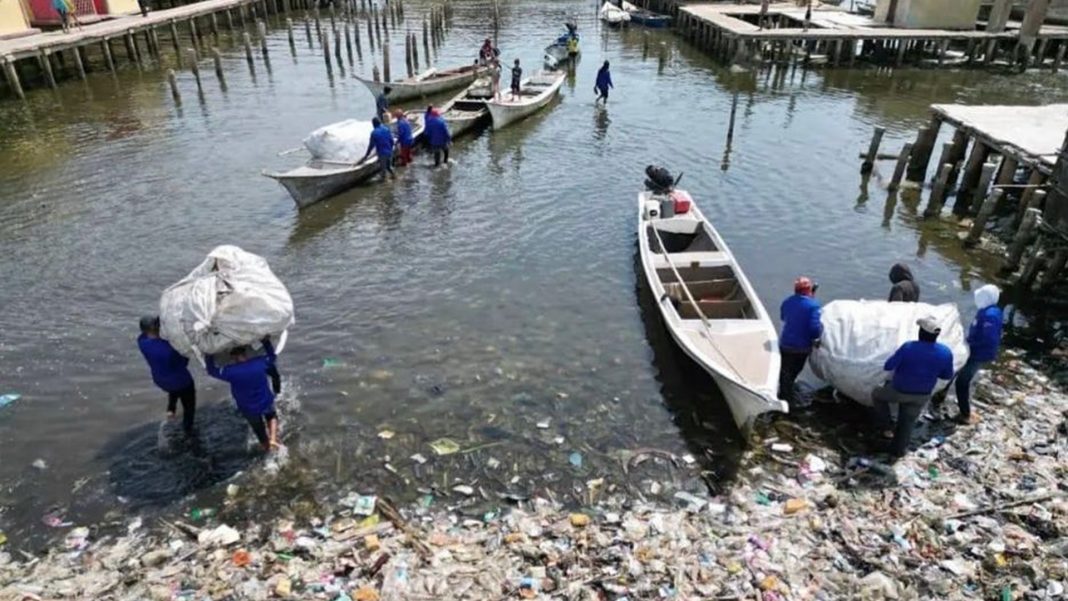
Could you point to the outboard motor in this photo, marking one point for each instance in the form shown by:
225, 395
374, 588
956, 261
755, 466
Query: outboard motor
659, 180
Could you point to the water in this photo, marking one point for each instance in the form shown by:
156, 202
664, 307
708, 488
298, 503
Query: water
468, 303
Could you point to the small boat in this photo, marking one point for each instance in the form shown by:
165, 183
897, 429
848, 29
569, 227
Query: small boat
613, 15
427, 83
645, 17
468, 108
707, 303
863, 7
534, 93
318, 179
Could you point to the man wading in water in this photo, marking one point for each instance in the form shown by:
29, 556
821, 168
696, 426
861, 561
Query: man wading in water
170, 372
247, 376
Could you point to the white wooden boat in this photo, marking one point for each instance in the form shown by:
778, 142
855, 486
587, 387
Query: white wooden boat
319, 179
468, 108
613, 15
645, 17
534, 93
427, 83
709, 307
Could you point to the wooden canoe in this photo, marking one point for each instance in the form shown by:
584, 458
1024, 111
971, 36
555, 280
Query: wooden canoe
427, 83
709, 307
534, 94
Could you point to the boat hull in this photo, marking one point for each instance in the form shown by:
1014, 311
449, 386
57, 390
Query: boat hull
504, 114
745, 399
653, 21
401, 91
308, 189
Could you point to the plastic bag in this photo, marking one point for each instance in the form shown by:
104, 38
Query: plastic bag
231, 299
344, 141
859, 336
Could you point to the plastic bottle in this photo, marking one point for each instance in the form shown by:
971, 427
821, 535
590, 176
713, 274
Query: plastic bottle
201, 514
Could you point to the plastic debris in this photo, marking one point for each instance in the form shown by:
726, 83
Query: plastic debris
198, 514
39, 464
9, 398
575, 459
580, 520
365, 593
445, 446
386, 434
241, 558
793, 506
3, 538
218, 537
463, 489
418, 458
781, 447
329, 362
543, 424
364, 505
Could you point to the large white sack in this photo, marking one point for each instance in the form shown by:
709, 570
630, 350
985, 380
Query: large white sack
344, 141
859, 336
231, 299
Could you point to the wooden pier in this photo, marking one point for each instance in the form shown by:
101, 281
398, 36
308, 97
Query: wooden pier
41, 59
830, 35
999, 161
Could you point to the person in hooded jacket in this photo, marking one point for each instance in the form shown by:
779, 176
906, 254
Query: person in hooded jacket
438, 137
170, 371
904, 289
604, 82
801, 331
984, 339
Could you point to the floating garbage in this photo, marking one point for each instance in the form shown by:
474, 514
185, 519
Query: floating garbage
575, 459
386, 434
445, 446
9, 398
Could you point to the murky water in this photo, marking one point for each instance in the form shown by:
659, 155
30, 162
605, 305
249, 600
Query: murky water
468, 303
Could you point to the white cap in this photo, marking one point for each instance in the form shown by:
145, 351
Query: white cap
929, 324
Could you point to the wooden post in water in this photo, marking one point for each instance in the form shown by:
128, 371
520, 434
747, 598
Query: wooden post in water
415, 52
348, 42
426, 42
172, 79
985, 211
938, 193
982, 189
105, 48
289, 33
356, 34
385, 63
326, 50
247, 39
873, 151
261, 28
196, 70
899, 168
318, 24
193, 31
921, 151
216, 57
214, 26
1057, 58
1022, 238
46, 66
991, 51
378, 24
376, 75
307, 29
1053, 268
969, 179
337, 52
408, 55
12, 75
77, 54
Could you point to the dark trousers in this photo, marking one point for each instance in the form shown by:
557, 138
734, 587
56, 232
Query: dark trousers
909, 408
438, 152
276, 378
602, 94
143, 5
258, 423
964, 385
792, 364
188, 397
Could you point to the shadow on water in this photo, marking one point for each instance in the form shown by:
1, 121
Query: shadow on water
696, 403
153, 465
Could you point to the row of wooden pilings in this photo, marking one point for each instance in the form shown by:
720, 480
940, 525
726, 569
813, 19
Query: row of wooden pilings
984, 182
143, 46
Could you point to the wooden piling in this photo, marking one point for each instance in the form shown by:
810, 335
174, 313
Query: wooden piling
193, 31
1054, 266
1022, 238
378, 26
326, 50
261, 28
1057, 58
174, 39
1006, 171
77, 53
873, 150
426, 42
216, 57
970, 177
991, 51
13, 80
985, 211
370, 35
196, 70
105, 47
415, 52
921, 151
356, 36
289, 33
408, 55
172, 79
307, 29
385, 64
247, 39
899, 168
46, 66
337, 51
348, 42
938, 193
376, 75
981, 191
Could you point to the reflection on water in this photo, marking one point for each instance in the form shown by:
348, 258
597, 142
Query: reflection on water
477, 302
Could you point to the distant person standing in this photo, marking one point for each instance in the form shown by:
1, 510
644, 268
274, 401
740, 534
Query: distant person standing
248, 378
984, 339
170, 371
762, 19
381, 143
604, 82
382, 104
63, 9
801, 332
904, 288
517, 78
495, 79
438, 136
404, 138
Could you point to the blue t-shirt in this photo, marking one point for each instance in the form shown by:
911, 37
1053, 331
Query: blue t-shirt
249, 384
918, 365
404, 132
437, 132
169, 368
382, 140
984, 335
604, 79
800, 315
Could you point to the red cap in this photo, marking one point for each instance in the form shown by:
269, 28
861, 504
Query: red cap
803, 285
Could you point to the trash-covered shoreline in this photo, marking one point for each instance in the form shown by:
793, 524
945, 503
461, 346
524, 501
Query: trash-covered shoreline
980, 513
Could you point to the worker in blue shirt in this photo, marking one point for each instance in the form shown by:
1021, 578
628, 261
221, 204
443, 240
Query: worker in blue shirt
984, 338
915, 370
381, 142
801, 331
170, 372
604, 81
248, 377
382, 103
437, 135
404, 138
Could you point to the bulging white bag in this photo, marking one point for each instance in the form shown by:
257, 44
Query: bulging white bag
231, 299
344, 141
859, 336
